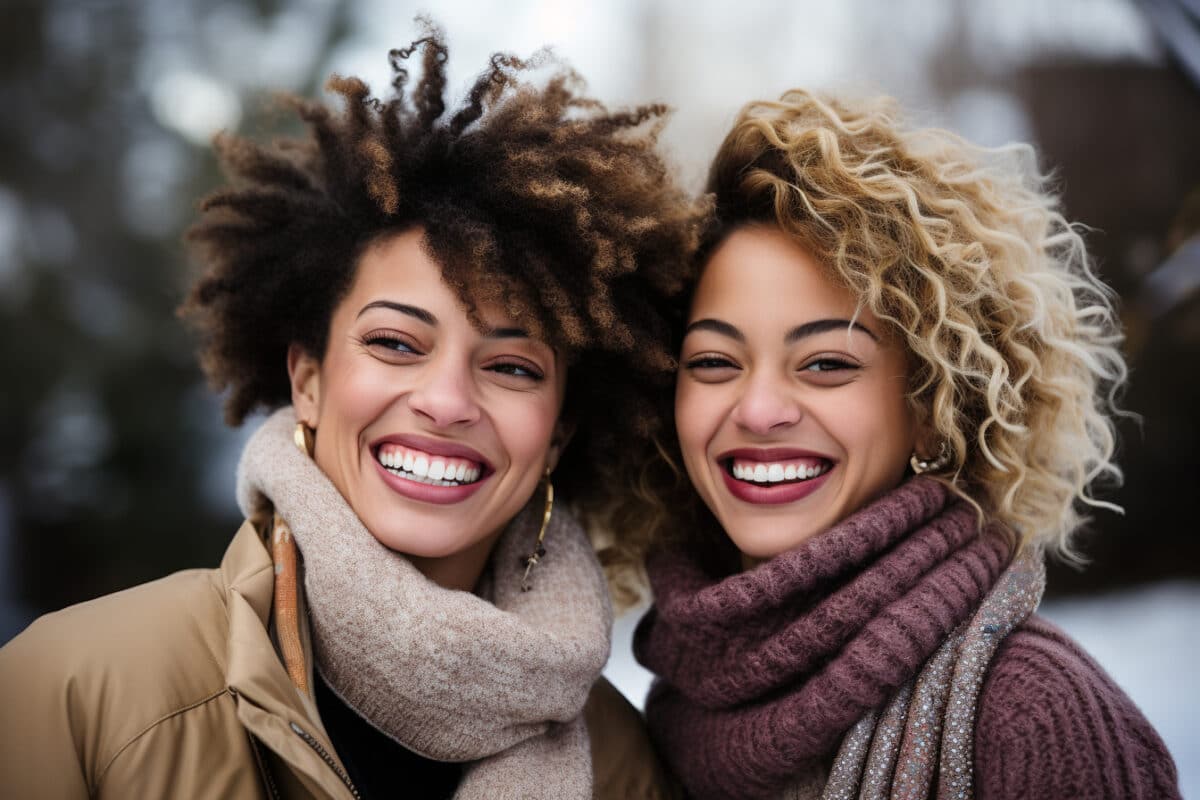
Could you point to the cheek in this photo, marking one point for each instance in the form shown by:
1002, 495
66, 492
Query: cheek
355, 393
878, 424
525, 425
699, 412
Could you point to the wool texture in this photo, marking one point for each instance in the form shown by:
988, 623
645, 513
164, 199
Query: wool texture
1053, 724
828, 657
498, 680
762, 672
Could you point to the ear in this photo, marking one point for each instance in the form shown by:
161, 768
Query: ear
927, 441
304, 373
563, 431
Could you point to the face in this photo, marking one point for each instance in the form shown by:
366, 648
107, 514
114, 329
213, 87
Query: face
791, 411
436, 433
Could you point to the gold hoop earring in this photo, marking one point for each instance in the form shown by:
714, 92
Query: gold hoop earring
535, 558
921, 466
305, 439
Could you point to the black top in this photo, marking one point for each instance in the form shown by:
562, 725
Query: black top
378, 765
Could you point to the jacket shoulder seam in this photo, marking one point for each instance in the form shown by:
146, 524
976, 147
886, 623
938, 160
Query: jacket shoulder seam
208, 699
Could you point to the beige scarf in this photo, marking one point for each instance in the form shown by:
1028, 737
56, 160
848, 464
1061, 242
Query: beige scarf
498, 682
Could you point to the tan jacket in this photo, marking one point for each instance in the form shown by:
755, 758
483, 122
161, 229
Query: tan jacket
174, 689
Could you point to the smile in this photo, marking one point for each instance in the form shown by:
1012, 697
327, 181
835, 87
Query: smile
773, 476
430, 470
427, 468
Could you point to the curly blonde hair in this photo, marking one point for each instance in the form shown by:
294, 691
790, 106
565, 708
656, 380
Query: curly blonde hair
1013, 339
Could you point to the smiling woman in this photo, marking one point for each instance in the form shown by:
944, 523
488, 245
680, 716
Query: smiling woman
894, 399
435, 430
468, 313
753, 367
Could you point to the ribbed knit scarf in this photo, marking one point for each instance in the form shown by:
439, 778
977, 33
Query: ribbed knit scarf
763, 673
498, 682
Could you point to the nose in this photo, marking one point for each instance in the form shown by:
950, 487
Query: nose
766, 405
444, 394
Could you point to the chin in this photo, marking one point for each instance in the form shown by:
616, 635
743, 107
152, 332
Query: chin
430, 545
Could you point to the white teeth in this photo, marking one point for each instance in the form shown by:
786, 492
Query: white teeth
430, 471
776, 473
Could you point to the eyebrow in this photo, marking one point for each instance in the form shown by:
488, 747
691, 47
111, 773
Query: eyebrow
429, 319
403, 308
791, 337
716, 326
822, 325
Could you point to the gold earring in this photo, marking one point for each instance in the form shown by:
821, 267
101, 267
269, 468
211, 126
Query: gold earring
305, 438
539, 551
920, 465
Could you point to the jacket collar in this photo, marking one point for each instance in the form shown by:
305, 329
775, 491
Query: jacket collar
268, 704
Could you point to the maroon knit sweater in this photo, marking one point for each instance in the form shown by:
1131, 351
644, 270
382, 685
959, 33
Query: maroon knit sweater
1052, 724
764, 671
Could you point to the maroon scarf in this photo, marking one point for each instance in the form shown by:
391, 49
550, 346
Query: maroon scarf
762, 673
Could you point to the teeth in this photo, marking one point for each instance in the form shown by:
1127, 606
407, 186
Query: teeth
415, 479
777, 472
430, 470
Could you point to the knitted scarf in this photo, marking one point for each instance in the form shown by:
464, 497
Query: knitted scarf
763, 673
498, 682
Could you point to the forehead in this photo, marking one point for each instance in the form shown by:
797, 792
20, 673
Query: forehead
399, 268
760, 275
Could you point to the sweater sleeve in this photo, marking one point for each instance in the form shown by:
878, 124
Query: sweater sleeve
1052, 724
40, 740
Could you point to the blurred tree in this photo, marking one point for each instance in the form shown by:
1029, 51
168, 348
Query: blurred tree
108, 431
1122, 139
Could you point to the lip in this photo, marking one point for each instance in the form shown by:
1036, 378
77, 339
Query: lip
771, 454
772, 494
422, 492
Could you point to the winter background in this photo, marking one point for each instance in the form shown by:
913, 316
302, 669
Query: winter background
115, 467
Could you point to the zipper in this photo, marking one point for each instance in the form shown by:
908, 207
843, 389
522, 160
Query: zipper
312, 742
268, 778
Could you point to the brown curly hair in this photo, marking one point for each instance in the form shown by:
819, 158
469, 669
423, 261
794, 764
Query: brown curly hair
531, 195
965, 252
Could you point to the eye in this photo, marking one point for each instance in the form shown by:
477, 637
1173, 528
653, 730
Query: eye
389, 342
707, 362
830, 371
711, 368
516, 369
828, 365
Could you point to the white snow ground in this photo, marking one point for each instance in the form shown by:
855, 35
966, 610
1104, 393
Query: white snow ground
1148, 639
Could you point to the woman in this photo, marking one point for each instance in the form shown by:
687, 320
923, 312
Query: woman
894, 394
447, 299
